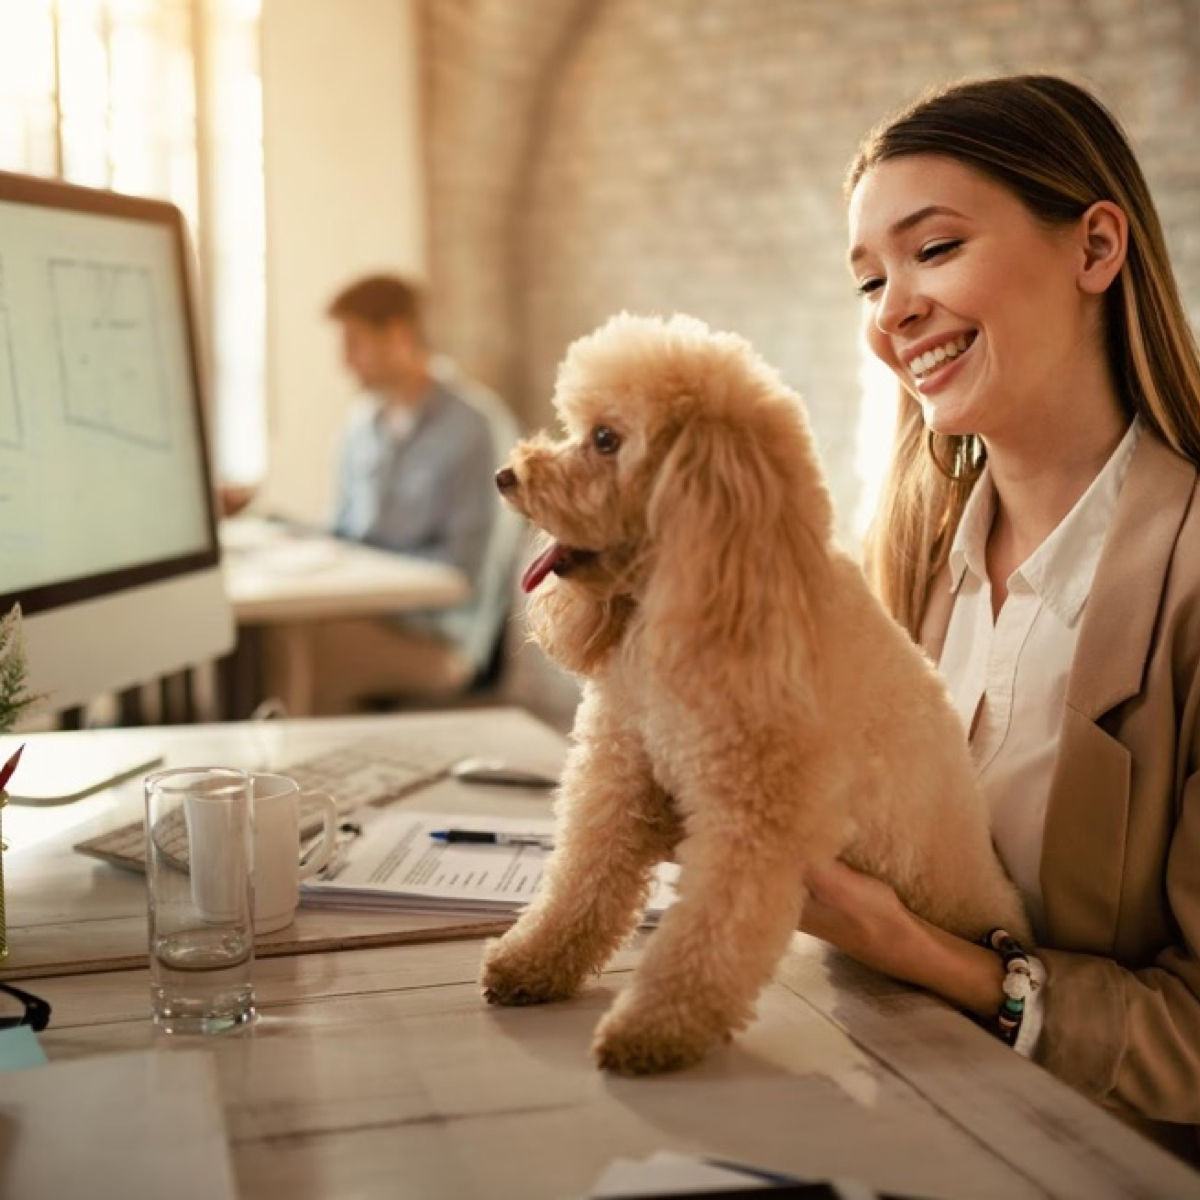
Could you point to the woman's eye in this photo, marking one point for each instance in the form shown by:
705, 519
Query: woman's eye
869, 286
936, 249
605, 440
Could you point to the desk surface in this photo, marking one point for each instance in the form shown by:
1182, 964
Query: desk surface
273, 574
382, 1073
379, 1071
68, 912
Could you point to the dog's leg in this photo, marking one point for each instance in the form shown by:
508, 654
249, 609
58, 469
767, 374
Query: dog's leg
740, 897
614, 826
704, 967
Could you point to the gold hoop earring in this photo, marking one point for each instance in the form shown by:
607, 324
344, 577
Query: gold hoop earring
966, 456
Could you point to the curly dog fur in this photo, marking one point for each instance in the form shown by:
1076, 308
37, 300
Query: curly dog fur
748, 706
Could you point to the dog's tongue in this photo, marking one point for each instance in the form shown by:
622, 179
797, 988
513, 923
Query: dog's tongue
542, 566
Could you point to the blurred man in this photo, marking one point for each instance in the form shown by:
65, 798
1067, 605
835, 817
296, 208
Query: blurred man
415, 476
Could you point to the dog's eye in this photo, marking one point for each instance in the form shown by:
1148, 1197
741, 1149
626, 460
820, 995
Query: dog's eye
605, 440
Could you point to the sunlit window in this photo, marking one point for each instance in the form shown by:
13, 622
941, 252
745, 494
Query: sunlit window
231, 145
159, 98
875, 435
28, 92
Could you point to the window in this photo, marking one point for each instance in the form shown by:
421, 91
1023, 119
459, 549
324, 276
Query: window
163, 98
875, 436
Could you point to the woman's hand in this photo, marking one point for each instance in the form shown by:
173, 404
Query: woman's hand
859, 914
863, 917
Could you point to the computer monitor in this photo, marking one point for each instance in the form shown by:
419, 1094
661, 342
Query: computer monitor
107, 525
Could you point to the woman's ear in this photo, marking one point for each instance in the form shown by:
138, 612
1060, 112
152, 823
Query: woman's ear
728, 604
1105, 232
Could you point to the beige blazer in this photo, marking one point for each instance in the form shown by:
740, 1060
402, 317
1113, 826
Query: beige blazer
1121, 859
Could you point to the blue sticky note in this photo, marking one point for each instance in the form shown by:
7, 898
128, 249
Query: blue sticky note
19, 1048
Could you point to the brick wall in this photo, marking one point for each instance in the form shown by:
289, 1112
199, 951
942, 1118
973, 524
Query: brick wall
658, 155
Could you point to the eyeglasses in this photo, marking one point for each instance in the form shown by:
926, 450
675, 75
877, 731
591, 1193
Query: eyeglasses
37, 1010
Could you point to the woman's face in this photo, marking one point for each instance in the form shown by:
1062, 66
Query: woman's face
970, 300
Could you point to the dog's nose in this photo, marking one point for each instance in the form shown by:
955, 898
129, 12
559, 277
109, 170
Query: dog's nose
506, 479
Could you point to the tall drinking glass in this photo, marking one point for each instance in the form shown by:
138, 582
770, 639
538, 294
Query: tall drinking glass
199, 872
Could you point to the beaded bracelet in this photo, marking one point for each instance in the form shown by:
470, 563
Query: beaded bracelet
1018, 982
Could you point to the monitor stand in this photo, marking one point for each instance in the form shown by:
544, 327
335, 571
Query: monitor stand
63, 767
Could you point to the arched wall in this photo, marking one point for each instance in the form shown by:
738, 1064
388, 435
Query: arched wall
586, 156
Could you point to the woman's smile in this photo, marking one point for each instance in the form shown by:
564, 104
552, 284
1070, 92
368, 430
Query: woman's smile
931, 369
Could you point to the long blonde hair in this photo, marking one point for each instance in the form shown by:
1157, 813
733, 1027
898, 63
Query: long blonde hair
1058, 150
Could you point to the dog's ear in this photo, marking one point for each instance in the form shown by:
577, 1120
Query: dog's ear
737, 521
576, 630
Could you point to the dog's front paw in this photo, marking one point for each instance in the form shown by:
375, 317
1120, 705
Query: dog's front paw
515, 974
640, 1039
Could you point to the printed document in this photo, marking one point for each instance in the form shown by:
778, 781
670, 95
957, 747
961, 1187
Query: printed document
396, 863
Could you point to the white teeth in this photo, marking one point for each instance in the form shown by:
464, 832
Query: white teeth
924, 363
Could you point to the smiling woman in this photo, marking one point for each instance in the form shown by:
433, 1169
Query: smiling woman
938, 279
1037, 533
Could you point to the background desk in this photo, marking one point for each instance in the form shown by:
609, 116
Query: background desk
379, 1071
292, 581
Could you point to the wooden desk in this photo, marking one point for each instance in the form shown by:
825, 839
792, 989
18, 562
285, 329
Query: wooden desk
291, 581
379, 1070
383, 1073
69, 913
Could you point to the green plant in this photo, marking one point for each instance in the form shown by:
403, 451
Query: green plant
15, 698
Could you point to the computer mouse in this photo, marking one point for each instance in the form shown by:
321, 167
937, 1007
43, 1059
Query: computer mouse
497, 771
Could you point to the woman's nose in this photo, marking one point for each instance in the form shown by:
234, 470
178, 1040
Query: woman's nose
898, 307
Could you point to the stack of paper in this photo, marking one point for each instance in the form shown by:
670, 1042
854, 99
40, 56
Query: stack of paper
669, 1174
395, 863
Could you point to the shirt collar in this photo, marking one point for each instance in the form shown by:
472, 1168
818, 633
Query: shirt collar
969, 548
1060, 571
1062, 568
397, 422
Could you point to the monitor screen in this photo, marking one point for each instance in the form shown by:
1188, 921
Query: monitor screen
102, 479
105, 492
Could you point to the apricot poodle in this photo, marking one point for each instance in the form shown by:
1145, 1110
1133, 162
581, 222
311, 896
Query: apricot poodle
748, 705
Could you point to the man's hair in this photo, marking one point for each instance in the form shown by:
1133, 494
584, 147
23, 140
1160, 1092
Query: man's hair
378, 300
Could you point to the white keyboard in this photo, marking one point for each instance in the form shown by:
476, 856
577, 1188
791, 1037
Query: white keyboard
373, 770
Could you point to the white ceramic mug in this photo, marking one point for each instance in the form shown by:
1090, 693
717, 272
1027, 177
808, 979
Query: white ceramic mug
277, 866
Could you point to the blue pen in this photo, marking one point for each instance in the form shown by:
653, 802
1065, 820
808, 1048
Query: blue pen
484, 837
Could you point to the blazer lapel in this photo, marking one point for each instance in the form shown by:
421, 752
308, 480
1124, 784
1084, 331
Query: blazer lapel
1114, 640
1084, 844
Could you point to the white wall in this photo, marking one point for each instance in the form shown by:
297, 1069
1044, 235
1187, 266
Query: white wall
343, 166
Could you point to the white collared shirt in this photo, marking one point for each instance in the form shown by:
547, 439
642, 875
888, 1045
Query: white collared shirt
1008, 677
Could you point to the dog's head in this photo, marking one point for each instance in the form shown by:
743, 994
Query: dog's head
685, 482
622, 398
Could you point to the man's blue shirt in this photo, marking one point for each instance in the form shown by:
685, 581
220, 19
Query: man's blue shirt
429, 491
